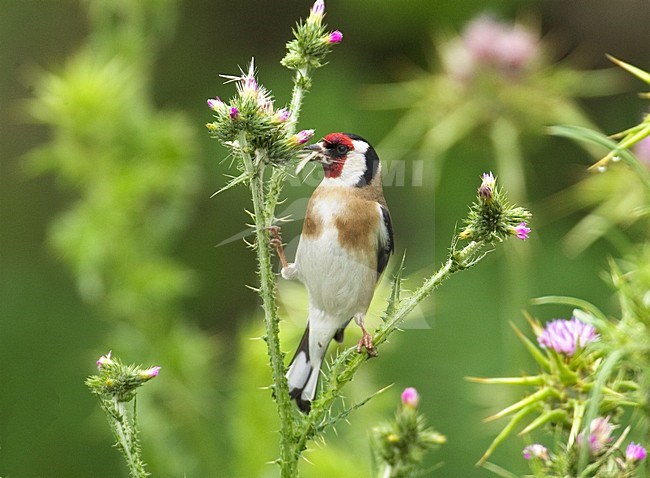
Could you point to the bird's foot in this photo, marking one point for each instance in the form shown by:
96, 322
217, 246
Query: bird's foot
276, 242
366, 342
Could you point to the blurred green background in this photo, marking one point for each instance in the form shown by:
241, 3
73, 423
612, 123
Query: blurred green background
206, 415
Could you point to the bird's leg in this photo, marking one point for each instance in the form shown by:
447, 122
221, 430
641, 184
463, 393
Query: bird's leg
276, 241
366, 338
288, 271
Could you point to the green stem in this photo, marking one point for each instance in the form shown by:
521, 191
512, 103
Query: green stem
263, 220
125, 435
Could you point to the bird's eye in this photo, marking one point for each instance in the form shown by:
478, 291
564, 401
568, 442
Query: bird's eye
341, 149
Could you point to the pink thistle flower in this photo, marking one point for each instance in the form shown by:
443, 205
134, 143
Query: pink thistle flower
303, 136
565, 336
335, 37
600, 435
521, 231
535, 451
318, 9
486, 189
215, 104
635, 453
282, 115
151, 372
105, 360
489, 41
234, 113
410, 397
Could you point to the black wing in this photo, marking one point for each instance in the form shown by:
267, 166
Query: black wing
386, 243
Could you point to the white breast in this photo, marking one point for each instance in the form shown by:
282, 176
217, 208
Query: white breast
339, 282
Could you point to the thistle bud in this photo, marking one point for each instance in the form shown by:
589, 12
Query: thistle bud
335, 37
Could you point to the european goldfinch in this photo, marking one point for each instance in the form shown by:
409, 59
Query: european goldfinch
346, 241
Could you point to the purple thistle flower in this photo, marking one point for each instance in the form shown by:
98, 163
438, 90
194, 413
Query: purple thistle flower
335, 37
521, 231
282, 115
565, 336
600, 435
234, 113
635, 452
490, 41
215, 103
486, 189
104, 360
410, 397
535, 451
151, 372
318, 9
302, 136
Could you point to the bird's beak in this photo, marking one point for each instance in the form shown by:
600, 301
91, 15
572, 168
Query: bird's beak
313, 152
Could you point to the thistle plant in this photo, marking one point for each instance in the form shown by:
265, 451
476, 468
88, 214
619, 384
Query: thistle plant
399, 447
494, 79
116, 385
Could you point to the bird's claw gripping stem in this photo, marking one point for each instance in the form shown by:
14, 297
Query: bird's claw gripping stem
276, 242
366, 342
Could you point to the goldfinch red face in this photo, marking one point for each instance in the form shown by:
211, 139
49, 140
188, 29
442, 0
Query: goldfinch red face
346, 158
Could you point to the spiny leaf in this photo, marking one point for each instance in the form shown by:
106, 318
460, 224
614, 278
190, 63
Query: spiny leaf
233, 182
532, 380
638, 72
505, 432
548, 417
530, 400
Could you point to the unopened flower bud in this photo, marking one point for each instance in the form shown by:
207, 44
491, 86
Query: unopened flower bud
151, 372
215, 104
317, 10
486, 189
282, 115
302, 136
535, 451
410, 397
335, 37
104, 360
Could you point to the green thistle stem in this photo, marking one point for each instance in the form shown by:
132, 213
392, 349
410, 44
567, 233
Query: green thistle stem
125, 434
263, 219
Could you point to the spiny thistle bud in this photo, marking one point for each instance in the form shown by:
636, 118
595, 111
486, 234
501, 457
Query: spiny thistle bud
118, 381
491, 217
251, 112
400, 445
311, 42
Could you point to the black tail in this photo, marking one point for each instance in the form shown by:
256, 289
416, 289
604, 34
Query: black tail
302, 386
